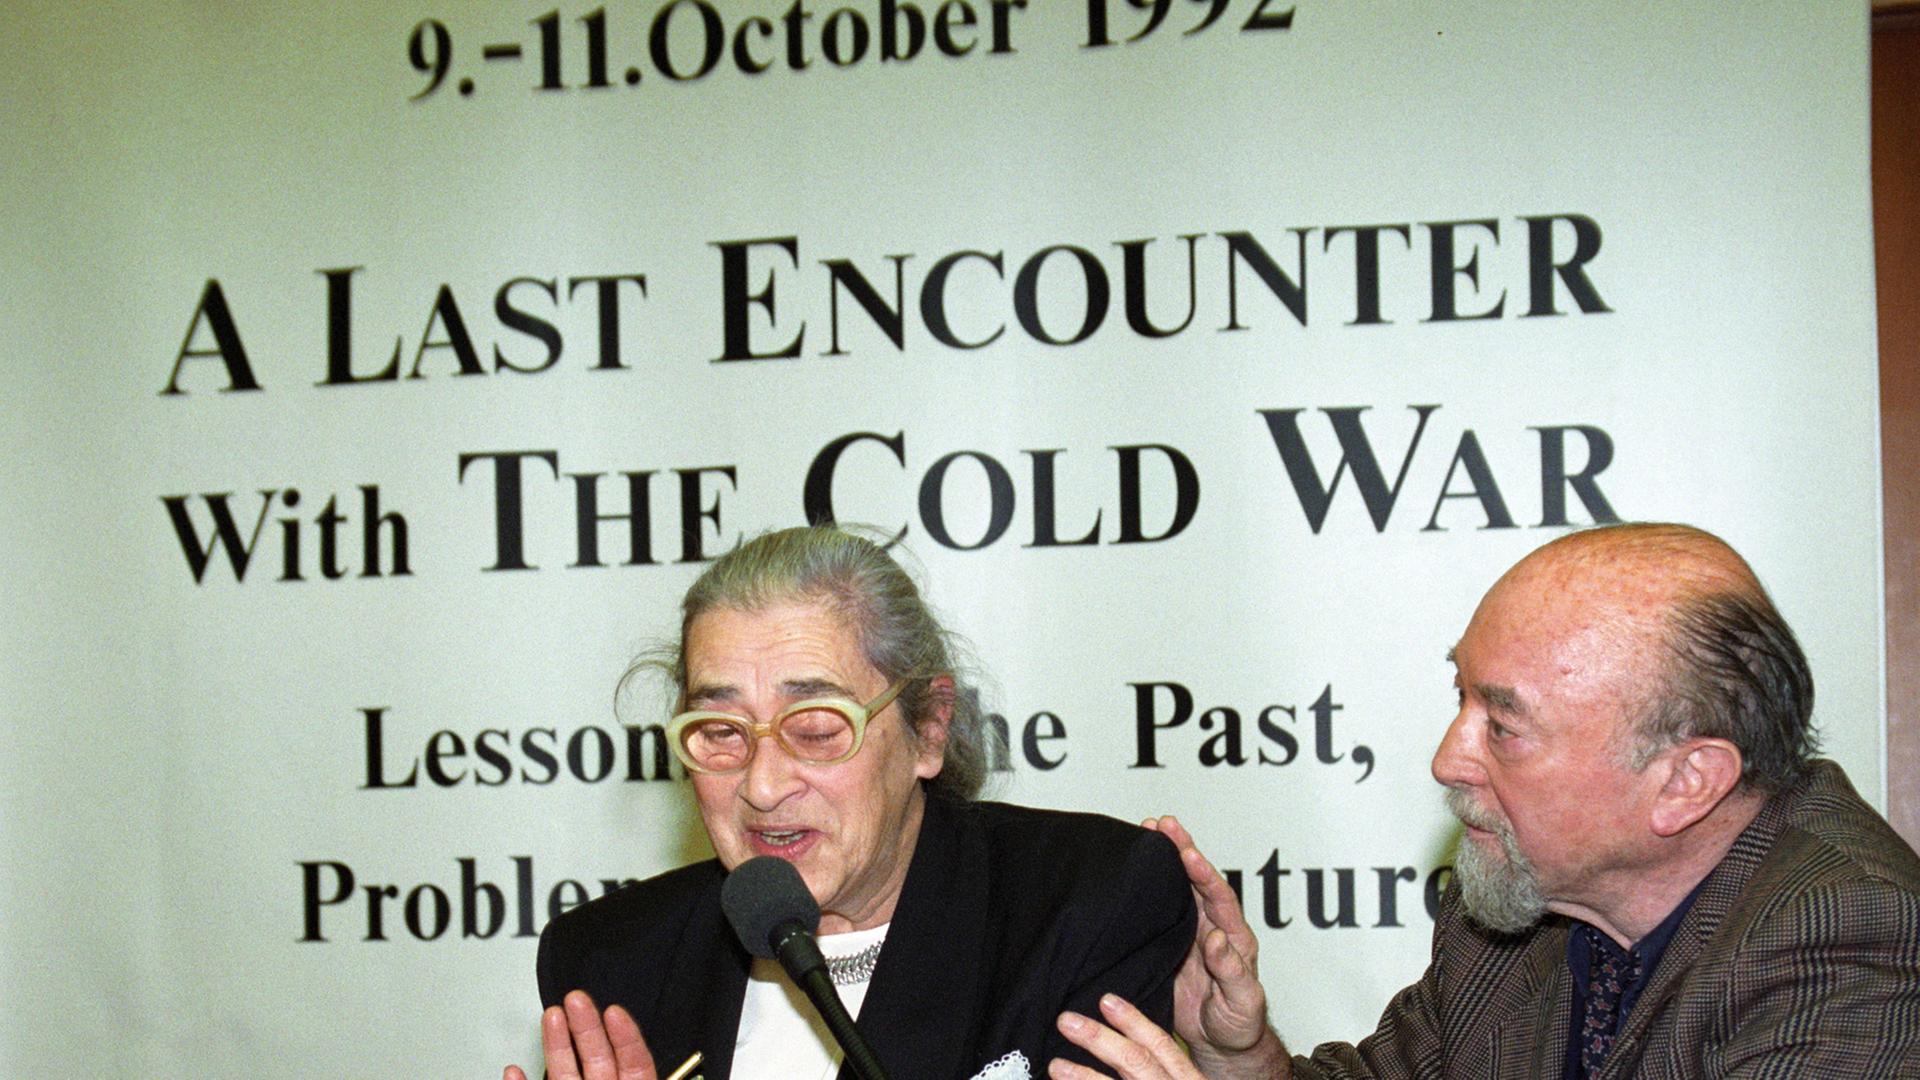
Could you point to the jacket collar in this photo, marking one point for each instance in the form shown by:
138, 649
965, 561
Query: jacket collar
699, 1005
1714, 906
926, 990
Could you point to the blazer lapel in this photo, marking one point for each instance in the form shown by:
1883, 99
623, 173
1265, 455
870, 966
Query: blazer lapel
1532, 1044
704, 984
923, 1005
1647, 1027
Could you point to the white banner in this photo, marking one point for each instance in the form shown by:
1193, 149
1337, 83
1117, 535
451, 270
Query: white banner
377, 380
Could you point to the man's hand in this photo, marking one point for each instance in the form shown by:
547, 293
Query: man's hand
1136, 1048
1219, 1006
1139, 1050
581, 1044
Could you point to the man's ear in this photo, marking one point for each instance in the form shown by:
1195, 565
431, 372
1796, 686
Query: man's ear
1700, 773
932, 729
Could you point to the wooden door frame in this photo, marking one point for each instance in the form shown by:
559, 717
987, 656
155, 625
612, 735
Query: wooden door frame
1896, 229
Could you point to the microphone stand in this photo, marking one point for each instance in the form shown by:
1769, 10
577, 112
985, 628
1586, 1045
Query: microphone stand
794, 947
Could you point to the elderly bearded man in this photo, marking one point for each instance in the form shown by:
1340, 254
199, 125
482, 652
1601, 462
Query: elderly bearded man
1657, 879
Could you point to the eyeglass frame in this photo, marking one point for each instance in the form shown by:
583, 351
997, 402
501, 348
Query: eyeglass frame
857, 715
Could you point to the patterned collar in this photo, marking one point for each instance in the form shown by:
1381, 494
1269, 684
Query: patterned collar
1587, 945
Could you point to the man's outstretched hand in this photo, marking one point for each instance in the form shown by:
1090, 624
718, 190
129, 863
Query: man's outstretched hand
1135, 1047
1219, 1006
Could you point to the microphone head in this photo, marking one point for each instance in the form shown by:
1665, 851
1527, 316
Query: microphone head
762, 895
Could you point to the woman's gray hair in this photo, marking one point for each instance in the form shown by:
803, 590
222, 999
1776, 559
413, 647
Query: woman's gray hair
898, 634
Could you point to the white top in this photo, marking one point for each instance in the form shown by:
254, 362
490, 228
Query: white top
781, 1036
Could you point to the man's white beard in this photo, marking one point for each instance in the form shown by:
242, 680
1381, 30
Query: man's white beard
1500, 894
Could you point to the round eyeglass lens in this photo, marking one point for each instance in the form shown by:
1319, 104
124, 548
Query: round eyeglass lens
717, 745
817, 734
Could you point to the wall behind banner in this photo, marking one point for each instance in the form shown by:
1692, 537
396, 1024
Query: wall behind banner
377, 379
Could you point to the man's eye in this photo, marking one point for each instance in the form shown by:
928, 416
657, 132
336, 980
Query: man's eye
1497, 729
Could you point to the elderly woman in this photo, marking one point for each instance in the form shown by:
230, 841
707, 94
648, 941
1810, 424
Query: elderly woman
821, 722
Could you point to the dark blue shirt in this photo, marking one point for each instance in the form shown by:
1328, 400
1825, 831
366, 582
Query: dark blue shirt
1581, 960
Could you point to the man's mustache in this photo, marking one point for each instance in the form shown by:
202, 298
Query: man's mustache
1462, 806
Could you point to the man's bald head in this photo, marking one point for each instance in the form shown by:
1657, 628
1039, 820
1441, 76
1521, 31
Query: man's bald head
1678, 608
1647, 558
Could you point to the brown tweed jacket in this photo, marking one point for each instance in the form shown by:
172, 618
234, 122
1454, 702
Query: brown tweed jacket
1800, 958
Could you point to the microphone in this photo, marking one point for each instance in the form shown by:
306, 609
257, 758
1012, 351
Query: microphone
774, 916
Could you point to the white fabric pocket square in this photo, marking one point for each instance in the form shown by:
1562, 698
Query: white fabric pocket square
1013, 1066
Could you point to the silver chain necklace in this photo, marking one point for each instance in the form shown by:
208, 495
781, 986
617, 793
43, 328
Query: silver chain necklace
855, 968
